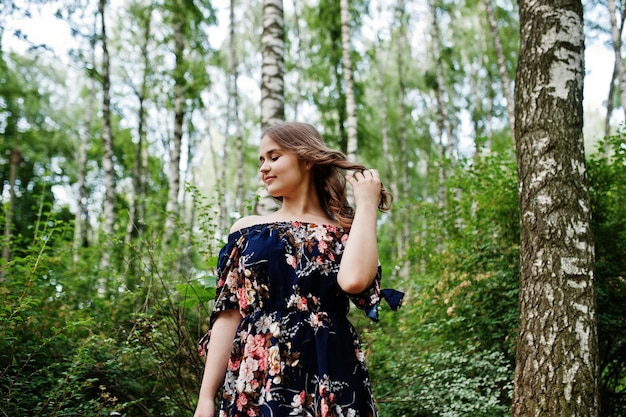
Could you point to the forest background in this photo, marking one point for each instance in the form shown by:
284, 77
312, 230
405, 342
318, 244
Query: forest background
127, 153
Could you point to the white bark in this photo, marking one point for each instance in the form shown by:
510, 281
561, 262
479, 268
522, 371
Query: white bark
273, 67
107, 161
617, 50
348, 81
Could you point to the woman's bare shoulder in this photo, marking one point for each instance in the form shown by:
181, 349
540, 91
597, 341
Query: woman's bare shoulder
247, 222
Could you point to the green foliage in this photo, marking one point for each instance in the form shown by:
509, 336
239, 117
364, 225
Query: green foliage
450, 351
607, 185
451, 383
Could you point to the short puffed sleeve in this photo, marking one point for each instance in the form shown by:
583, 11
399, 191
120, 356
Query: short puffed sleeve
229, 280
369, 299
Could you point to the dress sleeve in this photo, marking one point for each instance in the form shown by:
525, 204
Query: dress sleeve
370, 298
229, 280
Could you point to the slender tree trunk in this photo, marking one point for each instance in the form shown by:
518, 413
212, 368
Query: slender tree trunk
273, 70
175, 145
617, 50
504, 74
403, 193
234, 97
15, 159
556, 370
610, 101
609, 109
272, 80
136, 226
80, 218
300, 58
443, 119
348, 81
107, 162
444, 129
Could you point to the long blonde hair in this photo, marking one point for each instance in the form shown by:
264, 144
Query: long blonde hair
328, 168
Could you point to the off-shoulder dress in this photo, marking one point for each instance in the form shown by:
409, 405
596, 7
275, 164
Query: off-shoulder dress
294, 353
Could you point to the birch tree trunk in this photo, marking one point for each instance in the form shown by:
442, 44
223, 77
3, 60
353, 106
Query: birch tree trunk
297, 40
272, 81
234, 98
136, 224
348, 82
403, 235
80, 218
15, 158
556, 370
444, 130
504, 74
273, 70
617, 50
443, 119
175, 145
107, 162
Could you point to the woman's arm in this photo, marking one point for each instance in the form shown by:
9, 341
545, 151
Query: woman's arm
220, 345
359, 263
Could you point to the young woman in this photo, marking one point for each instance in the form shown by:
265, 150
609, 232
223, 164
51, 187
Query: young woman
280, 343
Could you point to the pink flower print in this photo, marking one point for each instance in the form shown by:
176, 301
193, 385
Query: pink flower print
316, 321
291, 260
242, 298
242, 401
319, 233
298, 400
323, 389
324, 407
231, 279
302, 304
255, 346
322, 246
251, 412
319, 260
344, 238
233, 365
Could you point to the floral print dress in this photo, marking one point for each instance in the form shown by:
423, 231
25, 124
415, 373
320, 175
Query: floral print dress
294, 353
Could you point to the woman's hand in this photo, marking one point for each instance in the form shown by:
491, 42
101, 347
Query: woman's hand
366, 187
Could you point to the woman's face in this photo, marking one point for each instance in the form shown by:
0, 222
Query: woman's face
282, 172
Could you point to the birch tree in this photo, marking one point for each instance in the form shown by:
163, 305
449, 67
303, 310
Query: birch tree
80, 217
556, 364
348, 81
175, 145
136, 221
107, 160
273, 67
504, 74
616, 40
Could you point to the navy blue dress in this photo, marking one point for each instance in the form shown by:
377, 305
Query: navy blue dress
295, 353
